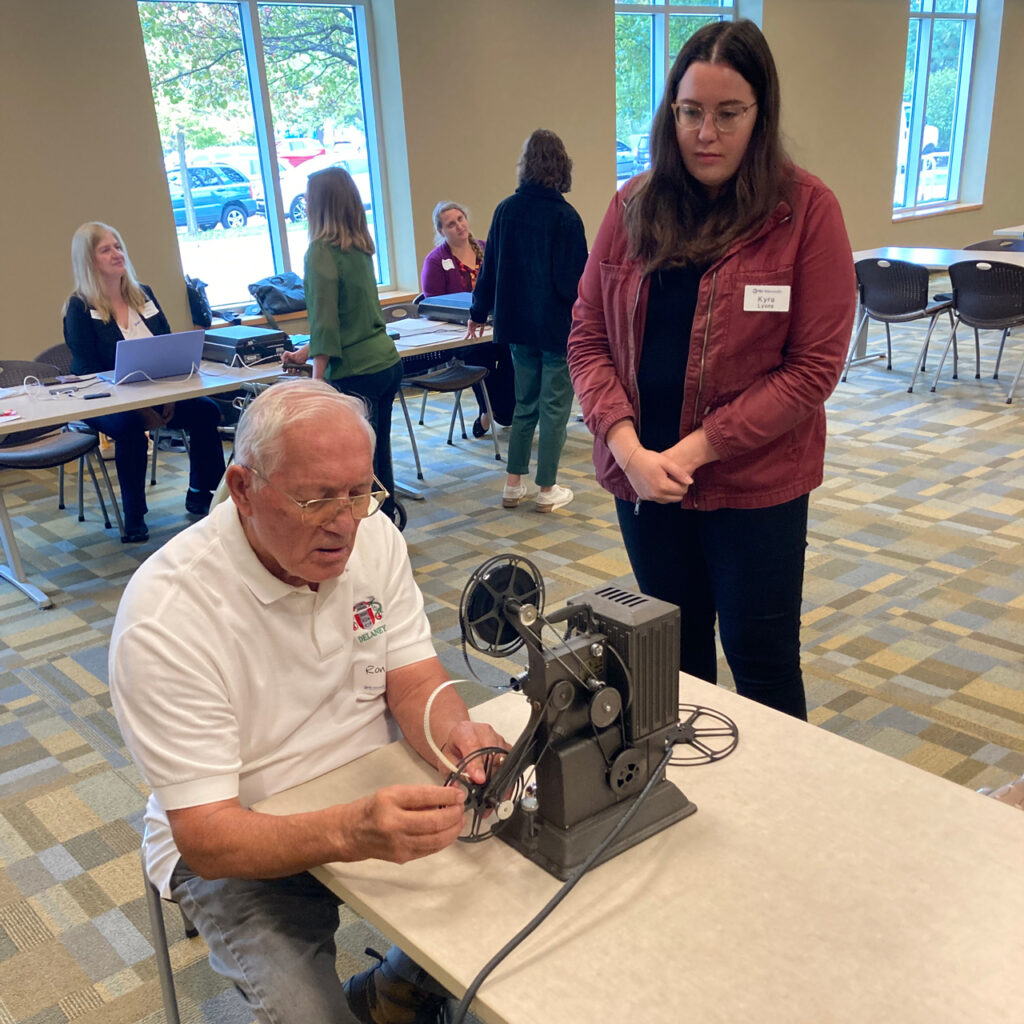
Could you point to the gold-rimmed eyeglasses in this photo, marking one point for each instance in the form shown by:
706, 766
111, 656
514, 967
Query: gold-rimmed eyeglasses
690, 116
321, 511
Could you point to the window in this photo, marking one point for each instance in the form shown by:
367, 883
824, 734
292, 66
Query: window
933, 115
254, 97
648, 35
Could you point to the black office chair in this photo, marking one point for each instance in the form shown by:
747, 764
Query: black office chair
987, 296
43, 448
896, 292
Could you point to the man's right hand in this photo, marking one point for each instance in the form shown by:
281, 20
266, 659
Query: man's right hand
402, 823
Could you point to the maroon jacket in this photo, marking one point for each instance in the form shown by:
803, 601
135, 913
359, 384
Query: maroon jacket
757, 381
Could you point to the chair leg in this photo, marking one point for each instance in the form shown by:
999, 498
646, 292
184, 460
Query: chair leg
888, 347
1013, 386
455, 412
13, 571
81, 490
999, 357
60, 488
945, 352
853, 346
423, 407
110, 490
412, 435
154, 437
161, 949
494, 422
919, 365
96, 488
977, 355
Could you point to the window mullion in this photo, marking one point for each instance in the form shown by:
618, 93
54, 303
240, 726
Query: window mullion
917, 110
256, 72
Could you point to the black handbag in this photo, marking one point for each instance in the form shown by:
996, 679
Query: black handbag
198, 303
282, 293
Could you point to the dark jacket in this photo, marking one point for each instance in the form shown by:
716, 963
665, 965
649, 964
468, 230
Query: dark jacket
536, 251
93, 343
757, 381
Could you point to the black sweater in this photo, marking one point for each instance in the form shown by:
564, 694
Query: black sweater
536, 251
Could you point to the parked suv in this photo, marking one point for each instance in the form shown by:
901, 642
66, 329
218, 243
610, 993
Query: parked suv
643, 153
220, 195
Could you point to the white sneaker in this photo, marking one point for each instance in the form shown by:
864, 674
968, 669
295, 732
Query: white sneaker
555, 498
512, 496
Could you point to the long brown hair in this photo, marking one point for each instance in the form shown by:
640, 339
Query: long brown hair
335, 211
670, 219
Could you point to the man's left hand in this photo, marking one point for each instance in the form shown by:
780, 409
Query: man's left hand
467, 737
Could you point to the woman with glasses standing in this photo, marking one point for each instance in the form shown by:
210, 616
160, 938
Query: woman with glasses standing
712, 323
350, 346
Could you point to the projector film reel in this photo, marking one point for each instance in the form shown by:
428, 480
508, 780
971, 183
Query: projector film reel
486, 813
705, 735
482, 610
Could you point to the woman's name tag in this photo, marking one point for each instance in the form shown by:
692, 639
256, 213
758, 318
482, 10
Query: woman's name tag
766, 298
149, 309
447, 264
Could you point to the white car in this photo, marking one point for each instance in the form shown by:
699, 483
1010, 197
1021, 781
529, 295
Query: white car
293, 182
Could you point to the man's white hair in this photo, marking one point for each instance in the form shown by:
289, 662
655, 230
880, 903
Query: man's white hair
258, 439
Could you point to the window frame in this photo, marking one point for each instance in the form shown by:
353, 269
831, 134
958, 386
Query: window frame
265, 143
927, 17
660, 12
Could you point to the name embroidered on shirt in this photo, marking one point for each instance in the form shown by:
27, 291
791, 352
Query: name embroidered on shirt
766, 298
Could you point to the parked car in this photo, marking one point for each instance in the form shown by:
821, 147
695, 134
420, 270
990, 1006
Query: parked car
642, 159
623, 160
220, 195
295, 151
293, 182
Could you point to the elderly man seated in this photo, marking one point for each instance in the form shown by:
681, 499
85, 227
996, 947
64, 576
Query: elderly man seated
277, 639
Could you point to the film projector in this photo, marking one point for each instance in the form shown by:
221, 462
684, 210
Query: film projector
602, 682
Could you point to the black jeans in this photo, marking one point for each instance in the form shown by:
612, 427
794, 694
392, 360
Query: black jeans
378, 391
744, 565
200, 417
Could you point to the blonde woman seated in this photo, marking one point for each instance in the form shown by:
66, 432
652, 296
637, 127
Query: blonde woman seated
107, 305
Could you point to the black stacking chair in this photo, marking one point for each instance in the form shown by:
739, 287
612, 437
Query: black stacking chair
896, 292
988, 245
43, 448
437, 371
987, 296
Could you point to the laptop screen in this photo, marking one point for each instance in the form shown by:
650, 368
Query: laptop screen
163, 355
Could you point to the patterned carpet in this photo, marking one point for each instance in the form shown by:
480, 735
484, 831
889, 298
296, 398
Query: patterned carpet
913, 645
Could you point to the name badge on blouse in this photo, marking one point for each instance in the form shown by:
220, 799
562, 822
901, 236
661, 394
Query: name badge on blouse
447, 264
95, 314
149, 309
766, 298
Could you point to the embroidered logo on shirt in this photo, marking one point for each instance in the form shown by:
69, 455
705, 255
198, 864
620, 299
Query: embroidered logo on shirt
368, 615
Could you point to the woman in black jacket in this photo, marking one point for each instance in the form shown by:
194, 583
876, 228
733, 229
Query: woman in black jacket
107, 305
536, 251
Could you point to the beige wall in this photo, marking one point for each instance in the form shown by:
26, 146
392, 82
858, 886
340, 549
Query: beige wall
81, 143
76, 114
841, 67
479, 75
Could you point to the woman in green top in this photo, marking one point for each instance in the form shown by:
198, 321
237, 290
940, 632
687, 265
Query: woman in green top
350, 347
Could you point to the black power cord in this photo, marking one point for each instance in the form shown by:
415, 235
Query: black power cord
461, 1010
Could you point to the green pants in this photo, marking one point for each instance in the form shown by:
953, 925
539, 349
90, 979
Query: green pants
544, 397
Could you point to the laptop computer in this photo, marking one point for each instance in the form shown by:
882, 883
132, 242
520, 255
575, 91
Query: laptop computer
163, 355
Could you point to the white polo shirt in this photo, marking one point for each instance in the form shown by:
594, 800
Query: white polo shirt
228, 682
